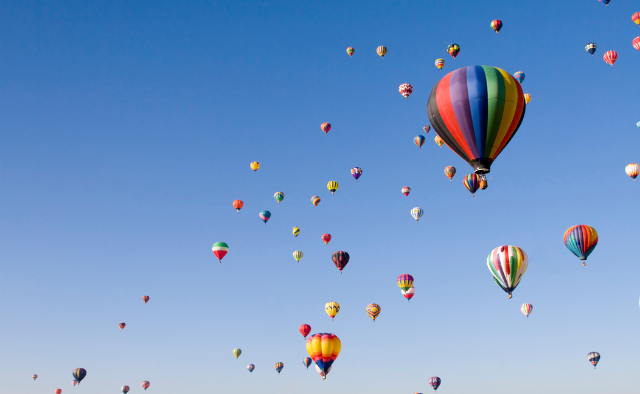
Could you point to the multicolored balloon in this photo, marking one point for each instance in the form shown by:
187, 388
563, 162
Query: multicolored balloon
594, 358
122, 325
315, 200
581, 240
406, 190
356, 172
304, 329
440, 64
477, 110
453, 50
324, 349
373, 310
636, 43
419, 140
439, 141
405, 90
610, 57
251, 367
405, 282
332, 186
265, 216
332, 309
526, 309
606, 2
34, 376
326, 238
382, 50
237, 352
519, 76
278, 367
80, 373
279, 196
325, 127
591, 48
125, 389
220, 250
450, 172
145, 385
296, 232
340, 259
145, 299
496, 25
307, 361
254, 166
435, 382
417, 213
632, 170
426, 128
238, 204
472, 183
297, 255
636, 18
409, 293
351, 51
507, 264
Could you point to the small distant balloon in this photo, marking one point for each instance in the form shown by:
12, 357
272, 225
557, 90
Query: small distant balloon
315, 200
326, 238
382, 50
145, 385
594, 358
417, 213
472, 183
519, 76
581, 240
435, 382
145, 299
453, 50
307, 362
450, 172
527, 98
220, 249
304, 329
251, 367
278, 367
405, 282
440, 64
297, 255
265, 216
439, 140
526, 309
373, 310
125, 389
351, 51
340, 259
58, 391
408, 294
254, 166
237, 352
34, 376
332, 309
296, 232
496, 25
80, 373
636, 43
238, 204
605, 2
356, 172
325, 127
632, 170
122, 325
279, 196
507, 264
332, 186
419, 140
406, 190
636, 18
405, 90
610, 57
426, 129
591, 48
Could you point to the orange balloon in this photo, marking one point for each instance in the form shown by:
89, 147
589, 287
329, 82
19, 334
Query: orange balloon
238, 204
145, 299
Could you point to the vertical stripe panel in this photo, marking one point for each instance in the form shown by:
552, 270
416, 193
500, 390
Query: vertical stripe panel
510, 106
477, 89
460, 102
448, 115
495, 106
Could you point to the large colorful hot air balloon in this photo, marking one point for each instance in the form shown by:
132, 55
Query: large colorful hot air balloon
340, 259
265, 216
297, 255
519, 76
251, 367
332, 186
79, 374
507, 264
304, 329
606, 2
382, 50
483, 183
315, 200
145, 385
58, 391
527, 99
453, 50
278, 367
439, 141
426, 128
145, 299
326, 238
440, 63
238, 204
593, 358
279, 196
636, 43
325, 127
351, 51
324, 349
610, 57
477, 110
254, 166
496, 25
237, 352
405, 90
636, 18
435, 382
356, 172
373, 310
220, 250
419, 140
450, 172
332, 309
122, 325
581, 240
406, 190
296, 232
405, 282
34, 376
417, 213
632, 170
307, 361
125, 389
526, 309
472, 183
409, 293
591, 48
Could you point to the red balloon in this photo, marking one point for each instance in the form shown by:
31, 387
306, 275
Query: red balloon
122, 326
610, 57
305, 329
326, 238
636, 43
145, 299
58, 391
340, 259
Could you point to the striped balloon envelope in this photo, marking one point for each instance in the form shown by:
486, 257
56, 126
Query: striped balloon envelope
324, 349
265, 216
307, 361
610, 57
220, 249
297, 255
409, 293
426, 128
406, 190
435, 382
636, 18
581, 240
381, 51
80, 373
632, 170
440, 64
405, 282
417, 213
325, 127
419, 140
594, 358
636, 43
477, 110
315, 200
145, 385
507, 264
296, 232
279, 196
125, 389
472, 183
526, 309
278, 367
450, 171
373, 310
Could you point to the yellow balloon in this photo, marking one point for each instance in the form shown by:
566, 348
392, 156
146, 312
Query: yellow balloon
527, 98
237, 352
382, 50
332, 309
254, 166
439, 141
296, 231
373, 310
332, 186
325, 347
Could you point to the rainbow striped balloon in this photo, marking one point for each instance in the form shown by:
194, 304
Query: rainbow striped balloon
278, 366
581, 240
507, 265
315, 200
526, 309
472, 183
419, 140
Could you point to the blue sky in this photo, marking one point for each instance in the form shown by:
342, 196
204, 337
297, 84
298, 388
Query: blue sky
127, 132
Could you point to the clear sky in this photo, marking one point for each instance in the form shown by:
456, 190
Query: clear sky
127, 129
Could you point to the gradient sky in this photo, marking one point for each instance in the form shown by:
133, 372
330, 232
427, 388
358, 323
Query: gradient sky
127, 132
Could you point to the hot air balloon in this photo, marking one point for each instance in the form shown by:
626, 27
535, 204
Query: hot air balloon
237, 352
409, 293
325, 127
636, 43
519, 76
439, 141
145, 299
296, 232
591, 48
507, 264
405, 90
254, 166
324, 349
326, 238
440, 63
382, 50
483, 183
220, 250
417, 213
581, 240
356, 172
307, 361
351, 51
279, 196
304, 329
435, 382
496, 25
450, 171
405, 282
265, 216
74, 382
406, 190
419, 140
477, 110
632, 170
278, 367
34, 376
340, 259
593, 358
58, 391
426, 129
79, 373
315, 200
606, 2
238, 204
297, 255
373, 310
472, 183
526, 309
251, 367
636, 18
453, 50
122, 325
125, 389
332, 186
527, 98
145, 385
610, 57
332, 309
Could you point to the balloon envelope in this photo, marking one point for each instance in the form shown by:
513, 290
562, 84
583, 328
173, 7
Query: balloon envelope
435, 382
405, 282
356, 172
340, 259
305, 329
591, 48
382, 50
581, 240
237, 352
80, 373
507, 265
146, 384
220, 250
254, 166
417, 213
594, 358
278, 367
265, 216
373, 310
251, 367
238, 204
324, 349
332, 309
526, 309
